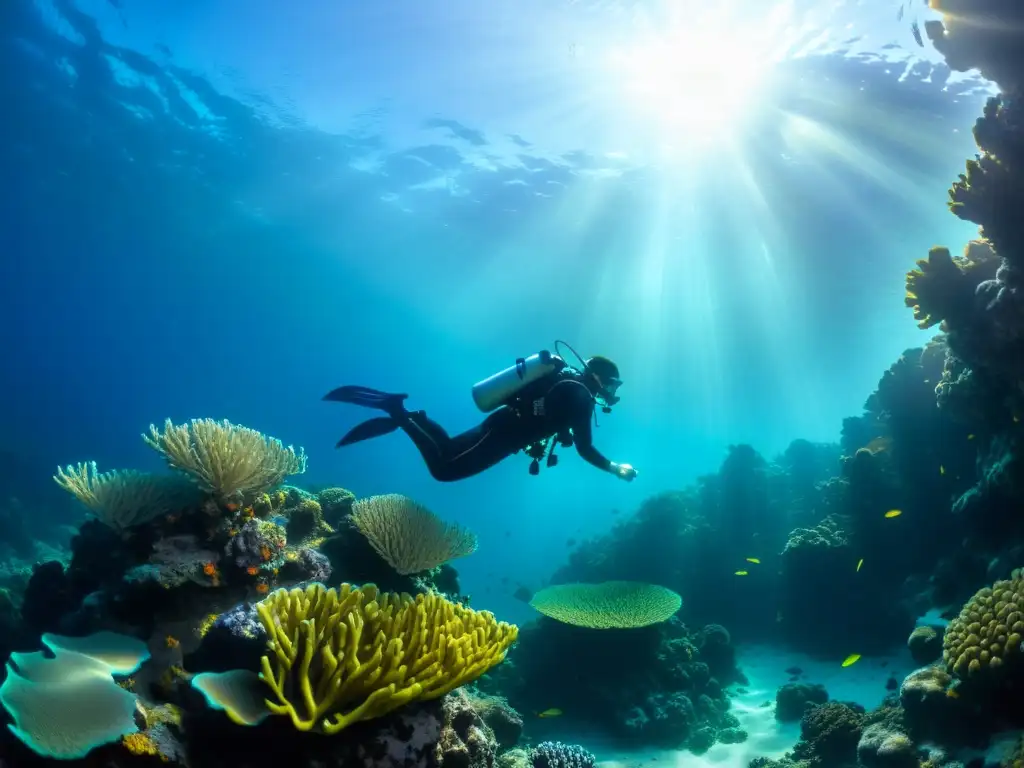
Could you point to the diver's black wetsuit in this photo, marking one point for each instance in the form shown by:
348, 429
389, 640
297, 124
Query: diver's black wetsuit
547, 410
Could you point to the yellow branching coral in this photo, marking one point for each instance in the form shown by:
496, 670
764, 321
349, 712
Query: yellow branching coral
988, 630
123, 498
607, 605
225, 459
410, 537
341, 656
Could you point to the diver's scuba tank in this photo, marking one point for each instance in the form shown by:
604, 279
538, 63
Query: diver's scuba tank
497, 390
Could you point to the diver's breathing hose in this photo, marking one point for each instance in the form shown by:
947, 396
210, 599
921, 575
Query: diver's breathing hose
578, 356
581, 370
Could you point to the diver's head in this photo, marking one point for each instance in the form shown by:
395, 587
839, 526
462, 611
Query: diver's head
602, 377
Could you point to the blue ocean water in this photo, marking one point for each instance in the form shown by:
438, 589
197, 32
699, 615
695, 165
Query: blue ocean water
227, 209
211, 212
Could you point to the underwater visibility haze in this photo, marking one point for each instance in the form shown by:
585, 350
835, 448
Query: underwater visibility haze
549, 383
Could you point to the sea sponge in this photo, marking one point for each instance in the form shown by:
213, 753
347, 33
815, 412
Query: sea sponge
306, 522
340, 656
336, 504
988, 631
410, 537
65, 706
607, 605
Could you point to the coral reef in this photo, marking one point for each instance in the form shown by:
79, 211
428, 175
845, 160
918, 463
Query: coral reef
987, 634
231, 646
661, 684
191, 569
555, 754
925, 645
793, 699
829, 734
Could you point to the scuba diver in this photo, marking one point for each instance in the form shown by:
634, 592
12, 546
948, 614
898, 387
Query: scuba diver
532, 405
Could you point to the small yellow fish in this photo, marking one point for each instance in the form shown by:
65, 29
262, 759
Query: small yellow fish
894, 513
942, 469
553, 712
970, 437
852, 659
741, 573
753, 560
859, 564
951, 693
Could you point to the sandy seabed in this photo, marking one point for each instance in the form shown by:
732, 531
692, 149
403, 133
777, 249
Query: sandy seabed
754, 706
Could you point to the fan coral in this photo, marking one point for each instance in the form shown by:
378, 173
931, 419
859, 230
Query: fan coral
988, 630
225, 459
410, 537
124, 498
608, 605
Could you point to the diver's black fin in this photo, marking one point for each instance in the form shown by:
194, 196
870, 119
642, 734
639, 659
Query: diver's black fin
392, 404
356, 395
382, 425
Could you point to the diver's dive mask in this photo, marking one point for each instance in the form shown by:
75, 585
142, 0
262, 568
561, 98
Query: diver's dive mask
606, 396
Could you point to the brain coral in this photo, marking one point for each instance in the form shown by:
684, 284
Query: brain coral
608, 605
988, 630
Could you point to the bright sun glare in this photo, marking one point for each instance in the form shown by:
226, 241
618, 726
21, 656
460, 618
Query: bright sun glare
697, 76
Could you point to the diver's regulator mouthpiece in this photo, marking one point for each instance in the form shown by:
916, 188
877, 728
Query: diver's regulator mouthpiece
607, 397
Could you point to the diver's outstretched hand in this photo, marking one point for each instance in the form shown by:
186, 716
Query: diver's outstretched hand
624, 471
